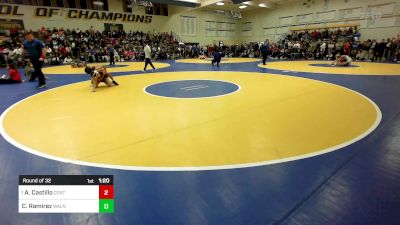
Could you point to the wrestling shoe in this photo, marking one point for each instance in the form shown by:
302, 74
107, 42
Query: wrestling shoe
41, 86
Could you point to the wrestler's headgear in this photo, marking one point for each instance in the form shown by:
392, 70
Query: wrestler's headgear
89, 70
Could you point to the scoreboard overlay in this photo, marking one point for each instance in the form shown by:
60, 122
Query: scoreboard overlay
66, 194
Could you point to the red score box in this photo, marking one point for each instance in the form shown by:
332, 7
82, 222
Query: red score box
106, 191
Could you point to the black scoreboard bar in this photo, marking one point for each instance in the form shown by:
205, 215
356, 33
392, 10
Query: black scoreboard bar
66, 180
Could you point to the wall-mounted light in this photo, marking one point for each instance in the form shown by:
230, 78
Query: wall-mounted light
220, 3
98, 3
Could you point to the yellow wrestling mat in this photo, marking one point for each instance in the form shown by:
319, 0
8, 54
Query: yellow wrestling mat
120, 67
223, 60
361, 68
270, 119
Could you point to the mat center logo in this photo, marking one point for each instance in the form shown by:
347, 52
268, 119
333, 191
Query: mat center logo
192, 88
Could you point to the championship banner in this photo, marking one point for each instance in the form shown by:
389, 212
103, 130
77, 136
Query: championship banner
75, 14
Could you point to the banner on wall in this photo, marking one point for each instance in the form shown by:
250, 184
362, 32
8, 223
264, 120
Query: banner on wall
113, 27
8, 24
74, 14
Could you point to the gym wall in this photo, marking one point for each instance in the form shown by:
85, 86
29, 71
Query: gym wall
377, 19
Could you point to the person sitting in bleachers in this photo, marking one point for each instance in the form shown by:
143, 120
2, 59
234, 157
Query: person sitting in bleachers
67, 60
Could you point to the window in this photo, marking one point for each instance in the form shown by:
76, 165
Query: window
164, 10
157, 9
46, 2
127, 5
82, 4
32, 2
71, 4
149, 10
19, 2
58, 3
105, 6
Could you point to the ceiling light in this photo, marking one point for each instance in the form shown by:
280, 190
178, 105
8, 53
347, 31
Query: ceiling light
220, 3
247, 3
262, 5
242, 6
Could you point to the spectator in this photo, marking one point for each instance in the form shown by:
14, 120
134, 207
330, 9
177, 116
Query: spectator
13, 75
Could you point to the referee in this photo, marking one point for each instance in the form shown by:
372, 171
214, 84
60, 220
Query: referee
37, 54
111, 55
147, 56
264, 51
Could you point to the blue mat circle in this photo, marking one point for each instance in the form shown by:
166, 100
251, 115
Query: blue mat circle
192, 88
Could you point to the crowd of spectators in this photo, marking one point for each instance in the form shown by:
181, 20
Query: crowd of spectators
326, 45
64, 46
68, 46
332, 42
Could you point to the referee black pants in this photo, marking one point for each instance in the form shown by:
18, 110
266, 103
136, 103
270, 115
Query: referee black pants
264, 57
148, 61
37, 65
